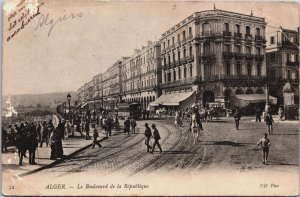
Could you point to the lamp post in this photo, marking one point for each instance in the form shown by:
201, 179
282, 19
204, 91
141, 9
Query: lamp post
267, 107
69, 100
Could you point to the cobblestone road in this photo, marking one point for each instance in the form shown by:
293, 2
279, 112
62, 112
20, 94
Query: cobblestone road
221, 146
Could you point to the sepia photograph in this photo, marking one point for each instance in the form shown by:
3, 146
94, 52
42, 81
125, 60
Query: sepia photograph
150, 98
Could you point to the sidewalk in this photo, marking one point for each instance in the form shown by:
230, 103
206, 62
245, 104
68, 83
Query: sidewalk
10, 159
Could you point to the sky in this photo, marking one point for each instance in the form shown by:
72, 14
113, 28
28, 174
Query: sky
102, 31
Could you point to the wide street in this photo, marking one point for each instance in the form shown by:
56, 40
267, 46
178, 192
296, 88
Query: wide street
220, 146
222, 153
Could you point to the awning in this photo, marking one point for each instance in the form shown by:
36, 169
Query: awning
242, 100
172, 99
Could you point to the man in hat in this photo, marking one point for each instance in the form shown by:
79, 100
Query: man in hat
156, 137
148, 135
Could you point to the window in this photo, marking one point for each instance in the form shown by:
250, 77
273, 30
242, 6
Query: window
247, 30
273, 74
165, 63
191, 71
169, 76
165, 77
272, 40
169, 58
179, 56
258, 31
190, 31
272, 57
168, 43
258, 70
249, 69
179, 74
257, 51
297, 74
289, 74
226, 27
173, 57
184, 72
292, 57
191, 50
237, 29
238, 49
164, 45
206, 48
248, 50
226, 48
178, 37
228, 69
183, 34
238, 69
292, 38
287, 56
174, 75
184, 53
205, 28
173, 40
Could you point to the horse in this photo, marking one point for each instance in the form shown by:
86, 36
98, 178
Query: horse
196, 126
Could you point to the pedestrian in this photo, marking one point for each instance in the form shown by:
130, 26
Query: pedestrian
237, 118
53, 144
4, 140
108, 123
280, 114
117, 124
32, 143
127, 126
95, 136
133, 125
87, 130
269, 122
21, 141
265, 144
148, 135
45, 134
258, 115
156, 137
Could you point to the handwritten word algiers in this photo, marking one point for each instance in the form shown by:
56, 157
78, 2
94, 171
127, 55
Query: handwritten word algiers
45, 21
22, 17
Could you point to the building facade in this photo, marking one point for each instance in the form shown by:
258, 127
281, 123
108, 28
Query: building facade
216, 54
283, 61
141, 75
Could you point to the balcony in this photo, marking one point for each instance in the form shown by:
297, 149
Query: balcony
190, 80
238, 35
206, 34
288, 44
239, 55
226, 33
189, 58
190, 37
233, 77
248, 36
183, 41
208, 56
228, 55
249, 56
293, 64
259, 57
183, 60
258, 38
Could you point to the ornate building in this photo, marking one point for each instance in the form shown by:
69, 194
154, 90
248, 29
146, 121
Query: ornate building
141, 75
216, 54
283, 61
97, 98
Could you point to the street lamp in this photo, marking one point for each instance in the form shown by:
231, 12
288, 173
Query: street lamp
69, 100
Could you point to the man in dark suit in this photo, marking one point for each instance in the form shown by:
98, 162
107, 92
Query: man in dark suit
156, 137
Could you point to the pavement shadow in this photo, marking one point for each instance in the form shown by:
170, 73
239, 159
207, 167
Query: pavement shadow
285, 133
177, 152
282, 164
226, 143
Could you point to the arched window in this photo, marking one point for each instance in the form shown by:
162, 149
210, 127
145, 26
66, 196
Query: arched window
174, 75
191, 50
249, 69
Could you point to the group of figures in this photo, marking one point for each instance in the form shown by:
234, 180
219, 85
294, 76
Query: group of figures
29, 136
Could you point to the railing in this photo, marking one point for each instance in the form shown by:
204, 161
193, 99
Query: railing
290, 63
248, 36
190, 37
238, 35
232, 77
259, 38
208, 56
238, 55
226, 33
228, 55
183, 41
259, 57
249, 56
183, 60
206, 33
180, 82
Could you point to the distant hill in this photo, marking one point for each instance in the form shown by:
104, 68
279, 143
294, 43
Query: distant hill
42, 99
